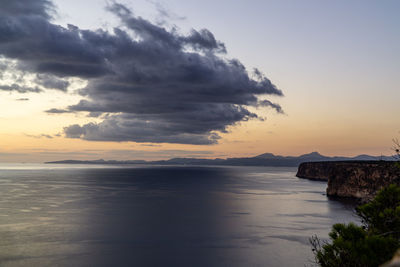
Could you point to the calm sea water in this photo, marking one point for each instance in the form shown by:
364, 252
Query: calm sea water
161, 216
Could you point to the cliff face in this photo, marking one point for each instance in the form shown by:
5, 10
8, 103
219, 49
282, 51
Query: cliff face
319, 171
359, 179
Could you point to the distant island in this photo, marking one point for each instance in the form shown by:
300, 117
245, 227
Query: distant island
267, 159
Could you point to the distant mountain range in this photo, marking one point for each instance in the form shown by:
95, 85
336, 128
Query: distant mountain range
266, 159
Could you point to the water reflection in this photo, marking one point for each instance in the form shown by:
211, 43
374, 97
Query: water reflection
157, 216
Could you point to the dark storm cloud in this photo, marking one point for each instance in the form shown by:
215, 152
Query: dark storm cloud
42, 8
27, 35
267, 103
51, 82
153, 84
121, 128
204, 39
19, 88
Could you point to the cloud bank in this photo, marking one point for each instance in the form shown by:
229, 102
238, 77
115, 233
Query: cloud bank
149, 83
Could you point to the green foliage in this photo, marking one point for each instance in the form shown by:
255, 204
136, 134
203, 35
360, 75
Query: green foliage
382, 215
369, 245
352, 246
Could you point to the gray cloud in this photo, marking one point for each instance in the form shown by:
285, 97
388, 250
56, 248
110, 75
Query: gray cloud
40, 136
57, 111
42, 47
122, 128
164, 14
19, 88
158, 85
74, 131
267, 103
41, 8
51, 82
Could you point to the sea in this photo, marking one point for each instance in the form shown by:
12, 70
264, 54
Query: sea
94, 215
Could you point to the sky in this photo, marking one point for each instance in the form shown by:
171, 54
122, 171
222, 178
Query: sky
159, 79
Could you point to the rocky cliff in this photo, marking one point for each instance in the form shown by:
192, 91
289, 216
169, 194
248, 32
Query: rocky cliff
315, 170
359, 179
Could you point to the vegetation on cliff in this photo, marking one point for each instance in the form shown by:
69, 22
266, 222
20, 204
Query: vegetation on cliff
371, 244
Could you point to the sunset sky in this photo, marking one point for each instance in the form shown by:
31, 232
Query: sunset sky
146, 79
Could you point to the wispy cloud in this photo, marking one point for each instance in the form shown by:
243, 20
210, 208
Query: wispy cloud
40, 136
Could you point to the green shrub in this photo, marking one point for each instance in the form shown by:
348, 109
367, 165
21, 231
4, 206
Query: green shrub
382, 215
371, 244
352, 246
